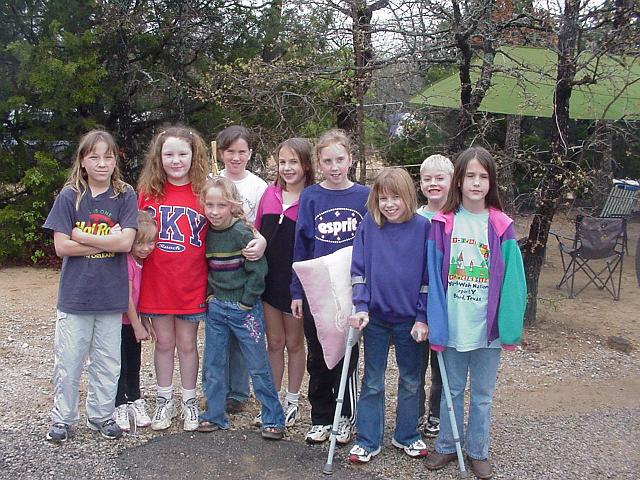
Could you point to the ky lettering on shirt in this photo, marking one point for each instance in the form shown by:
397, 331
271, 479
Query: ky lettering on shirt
170, 236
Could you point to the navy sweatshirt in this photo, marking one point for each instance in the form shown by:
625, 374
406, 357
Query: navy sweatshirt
327, 221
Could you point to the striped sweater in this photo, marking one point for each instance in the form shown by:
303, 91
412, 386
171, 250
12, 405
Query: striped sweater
232, 277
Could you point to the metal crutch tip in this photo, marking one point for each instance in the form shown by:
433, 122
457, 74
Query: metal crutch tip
327, 469
463, 474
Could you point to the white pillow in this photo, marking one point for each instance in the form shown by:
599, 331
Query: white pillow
327, 286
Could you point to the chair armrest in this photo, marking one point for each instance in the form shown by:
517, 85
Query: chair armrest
559, 236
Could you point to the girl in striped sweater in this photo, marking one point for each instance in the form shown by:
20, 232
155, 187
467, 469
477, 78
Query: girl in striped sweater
234, 308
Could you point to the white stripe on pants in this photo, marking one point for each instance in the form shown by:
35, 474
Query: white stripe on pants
79, 336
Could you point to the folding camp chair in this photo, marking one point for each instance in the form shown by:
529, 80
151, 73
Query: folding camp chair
596, 242
621, 203
621, 200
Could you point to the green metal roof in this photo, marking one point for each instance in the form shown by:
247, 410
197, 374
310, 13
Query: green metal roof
525, 84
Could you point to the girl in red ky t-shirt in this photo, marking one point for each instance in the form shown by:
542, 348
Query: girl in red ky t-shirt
174, 280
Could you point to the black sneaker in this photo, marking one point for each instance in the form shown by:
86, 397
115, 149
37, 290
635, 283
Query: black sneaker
58, 432
431, 428
108, 429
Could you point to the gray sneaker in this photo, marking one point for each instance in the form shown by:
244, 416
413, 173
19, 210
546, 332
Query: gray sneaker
58, 432
108, 429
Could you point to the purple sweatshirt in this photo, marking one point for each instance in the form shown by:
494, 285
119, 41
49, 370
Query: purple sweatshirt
389, 269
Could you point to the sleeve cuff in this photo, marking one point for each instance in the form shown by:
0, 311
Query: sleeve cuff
362, 307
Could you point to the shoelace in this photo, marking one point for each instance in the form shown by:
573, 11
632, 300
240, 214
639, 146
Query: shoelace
344, 426
192, 410
121, 414
161, 406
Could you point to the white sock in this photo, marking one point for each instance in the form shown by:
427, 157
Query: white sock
188, 394
292, 398
165, 392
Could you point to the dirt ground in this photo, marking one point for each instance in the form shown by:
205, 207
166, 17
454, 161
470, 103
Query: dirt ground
551, 376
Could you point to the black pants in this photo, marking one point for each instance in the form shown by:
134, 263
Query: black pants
435, 392
130, 359
324, 383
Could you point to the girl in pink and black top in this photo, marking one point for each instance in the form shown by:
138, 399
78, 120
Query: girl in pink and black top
276, 221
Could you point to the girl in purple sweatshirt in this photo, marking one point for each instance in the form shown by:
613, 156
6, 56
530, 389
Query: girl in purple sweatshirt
389, 277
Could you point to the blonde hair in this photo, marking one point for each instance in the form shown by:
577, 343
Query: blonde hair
392, 180
437, 162
153, 177
78, 178
334, 136
229, 193
303, 149
147, 227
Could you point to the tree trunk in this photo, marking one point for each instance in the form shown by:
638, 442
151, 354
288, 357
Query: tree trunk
551, 189
505, 173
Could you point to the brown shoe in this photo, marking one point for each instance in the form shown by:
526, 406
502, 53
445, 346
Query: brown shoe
480, 468
234, 406
436, 461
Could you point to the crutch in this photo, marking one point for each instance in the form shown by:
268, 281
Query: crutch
352, 339
452, 416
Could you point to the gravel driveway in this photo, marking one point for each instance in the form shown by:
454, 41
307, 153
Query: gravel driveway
567, 406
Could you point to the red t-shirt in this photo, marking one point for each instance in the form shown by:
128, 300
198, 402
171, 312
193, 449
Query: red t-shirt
174, 278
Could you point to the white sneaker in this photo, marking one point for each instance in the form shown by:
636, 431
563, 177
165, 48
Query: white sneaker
318, 433
290, 414
121, 416
416, 450
345, 431
140, 409
358, 454
257, 420
190, 414
165, 411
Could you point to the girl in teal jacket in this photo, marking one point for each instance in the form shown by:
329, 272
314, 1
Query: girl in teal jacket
476, 303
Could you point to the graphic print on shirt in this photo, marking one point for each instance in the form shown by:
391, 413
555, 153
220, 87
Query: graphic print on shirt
469, 270
337, 225
176, 226
99, 223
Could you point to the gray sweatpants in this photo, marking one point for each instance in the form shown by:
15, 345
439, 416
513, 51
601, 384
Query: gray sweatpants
78, 337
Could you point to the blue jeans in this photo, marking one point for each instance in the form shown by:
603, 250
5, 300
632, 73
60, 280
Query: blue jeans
482, 367
237, 373
225, 320
377, 336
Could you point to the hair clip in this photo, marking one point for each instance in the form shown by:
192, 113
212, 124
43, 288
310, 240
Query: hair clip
190, 133
162, 133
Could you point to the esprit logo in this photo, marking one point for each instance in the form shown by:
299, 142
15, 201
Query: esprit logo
337, 225
178, 225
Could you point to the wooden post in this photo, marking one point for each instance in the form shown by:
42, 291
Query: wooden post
214, 159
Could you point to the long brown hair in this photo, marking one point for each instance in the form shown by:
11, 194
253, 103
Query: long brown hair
153, 177
454, 200
303, 149
78, 178
394, 180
